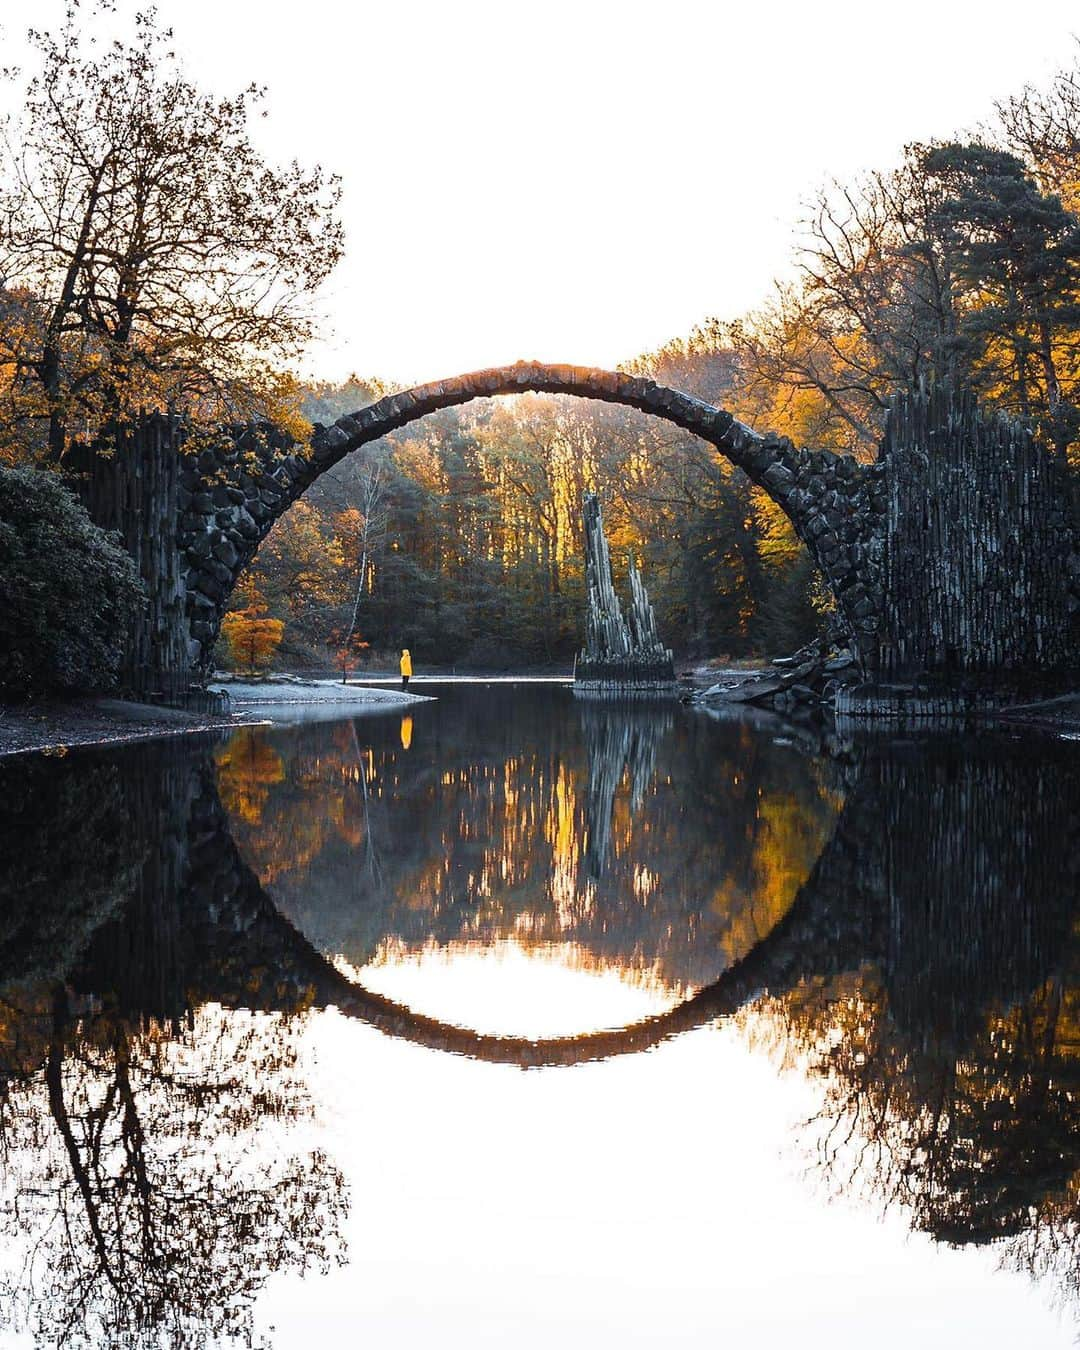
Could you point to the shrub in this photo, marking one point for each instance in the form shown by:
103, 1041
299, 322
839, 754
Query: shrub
69, 593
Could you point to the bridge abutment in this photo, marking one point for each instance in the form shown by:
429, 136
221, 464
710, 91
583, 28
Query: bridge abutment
134, 488
979, 566
979, 550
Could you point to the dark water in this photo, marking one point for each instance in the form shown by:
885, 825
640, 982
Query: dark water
800, 1020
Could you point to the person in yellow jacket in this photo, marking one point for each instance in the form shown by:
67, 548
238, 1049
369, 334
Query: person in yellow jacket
406, 668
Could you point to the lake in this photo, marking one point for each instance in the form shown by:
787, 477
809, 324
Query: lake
514, 1019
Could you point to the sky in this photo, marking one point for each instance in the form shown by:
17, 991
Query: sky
580, 180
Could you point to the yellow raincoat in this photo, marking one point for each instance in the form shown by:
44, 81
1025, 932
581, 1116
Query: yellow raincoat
406, 664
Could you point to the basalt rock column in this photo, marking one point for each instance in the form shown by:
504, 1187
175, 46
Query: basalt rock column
622, 655
621, 742
981, 564
134, 488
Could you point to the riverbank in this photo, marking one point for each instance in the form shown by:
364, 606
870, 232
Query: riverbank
53, 726
1058, 716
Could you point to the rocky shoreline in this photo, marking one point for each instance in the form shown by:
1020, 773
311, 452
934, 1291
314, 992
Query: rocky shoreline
53, 726
788, 688
822, 680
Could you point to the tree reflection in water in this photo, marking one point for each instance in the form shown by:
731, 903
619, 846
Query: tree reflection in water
636, 838
148, 1189
950, 1056
68, 857
131, 1158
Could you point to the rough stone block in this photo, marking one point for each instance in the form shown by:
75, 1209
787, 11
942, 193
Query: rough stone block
225, 553
199, 600
245, 526
207, 584
815, 527
778, 476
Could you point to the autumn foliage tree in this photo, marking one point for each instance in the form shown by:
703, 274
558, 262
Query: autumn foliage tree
149, 256
961, 263
1015, 262
250, 636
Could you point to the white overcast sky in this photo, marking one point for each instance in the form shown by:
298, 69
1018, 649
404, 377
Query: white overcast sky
578, 180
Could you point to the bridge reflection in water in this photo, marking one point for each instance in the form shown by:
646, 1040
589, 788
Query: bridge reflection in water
619, 838
174, 913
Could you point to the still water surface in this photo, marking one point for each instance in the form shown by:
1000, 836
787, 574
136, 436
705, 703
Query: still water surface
514, 1021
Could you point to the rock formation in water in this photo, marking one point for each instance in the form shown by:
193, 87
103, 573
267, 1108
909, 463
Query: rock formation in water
622, 654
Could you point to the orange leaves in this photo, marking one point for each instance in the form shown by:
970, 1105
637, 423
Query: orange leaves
248, 767
167, 264
252, 639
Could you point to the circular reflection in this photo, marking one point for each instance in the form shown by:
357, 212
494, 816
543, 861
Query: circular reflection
599, 861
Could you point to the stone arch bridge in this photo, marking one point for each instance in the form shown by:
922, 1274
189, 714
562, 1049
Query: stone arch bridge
953, 553
952, 869
230, 495
200, 927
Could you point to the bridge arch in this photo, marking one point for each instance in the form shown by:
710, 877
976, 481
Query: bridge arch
230, 504
216, 935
